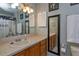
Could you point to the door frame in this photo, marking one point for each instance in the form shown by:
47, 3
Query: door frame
58, 35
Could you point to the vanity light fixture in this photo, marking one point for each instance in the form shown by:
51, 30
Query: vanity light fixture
28, 9
22, 6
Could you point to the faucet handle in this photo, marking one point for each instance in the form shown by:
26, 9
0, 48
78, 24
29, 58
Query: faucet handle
18, 40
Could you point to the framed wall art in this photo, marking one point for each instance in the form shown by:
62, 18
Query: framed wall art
73, 4
53, 6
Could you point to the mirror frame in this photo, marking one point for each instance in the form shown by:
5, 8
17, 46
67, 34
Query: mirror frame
58, 45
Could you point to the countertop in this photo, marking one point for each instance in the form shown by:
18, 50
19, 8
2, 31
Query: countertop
7, 49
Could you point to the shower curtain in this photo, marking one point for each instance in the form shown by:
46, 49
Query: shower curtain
6, 26
73, 28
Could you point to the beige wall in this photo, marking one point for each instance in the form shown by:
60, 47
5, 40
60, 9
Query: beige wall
42, 7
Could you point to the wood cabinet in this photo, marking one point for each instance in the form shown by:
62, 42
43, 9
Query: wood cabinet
39, 49
27, 52
52, 42
22, 53
43, 47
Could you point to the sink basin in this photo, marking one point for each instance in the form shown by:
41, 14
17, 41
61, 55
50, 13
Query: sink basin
19, 43
22, 42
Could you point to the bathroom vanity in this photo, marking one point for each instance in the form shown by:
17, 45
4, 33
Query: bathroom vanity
24, 45
38, 49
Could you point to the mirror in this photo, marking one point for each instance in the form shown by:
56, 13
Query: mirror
7, 27
72, 35
54, 34
14, 21
27, 31
19, 28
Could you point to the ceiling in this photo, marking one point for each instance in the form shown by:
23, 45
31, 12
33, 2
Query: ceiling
7, 7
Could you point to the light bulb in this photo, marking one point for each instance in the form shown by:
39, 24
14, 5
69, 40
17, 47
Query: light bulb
24, 10
27, 8
31, 10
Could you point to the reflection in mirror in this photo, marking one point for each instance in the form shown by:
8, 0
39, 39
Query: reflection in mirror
27, 31
19, 28
13, 19
53, 34
7, 27
53, 29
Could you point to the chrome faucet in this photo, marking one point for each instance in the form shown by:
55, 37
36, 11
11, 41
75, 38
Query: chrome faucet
18, 40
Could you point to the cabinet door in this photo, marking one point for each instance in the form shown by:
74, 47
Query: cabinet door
36, 49
53, 40
43, 48
39, 49
31, 51
50, 42
46, 46
27, 52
